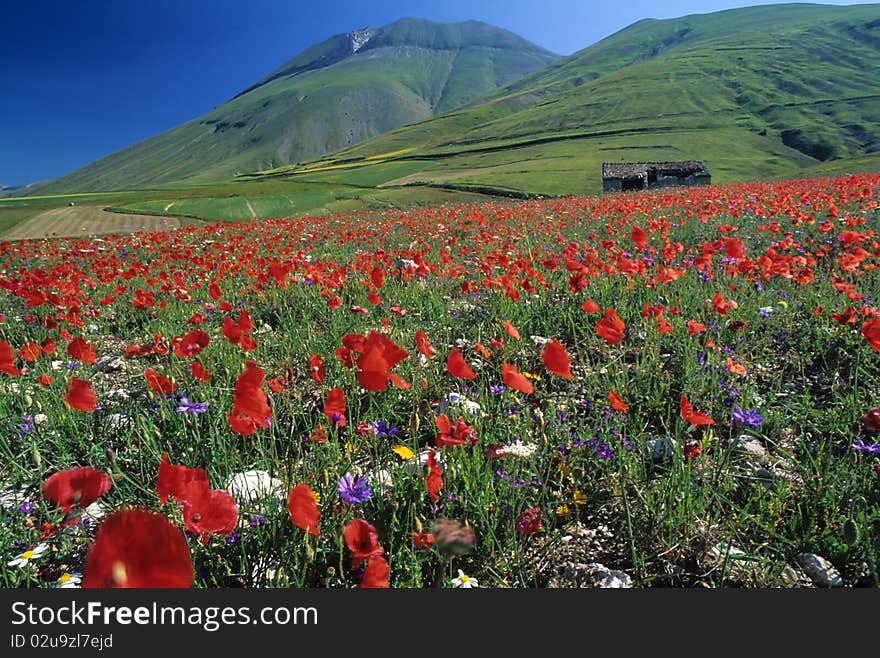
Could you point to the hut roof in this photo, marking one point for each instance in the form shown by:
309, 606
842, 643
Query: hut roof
636, 169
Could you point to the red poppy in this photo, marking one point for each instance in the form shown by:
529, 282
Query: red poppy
7, 360
458, 367
236, 331
80, 350
191, 343
692, 450
871, 332
80, 395
721, 305
434, 480
691, 416
378, 356
871, 419
423, 539
250, 406
198, 372
207, 511
617, 403
639, 237
174, 480
589, 306
695, 328
377, 573
423, 345
450, 435
511, 330
556, 359
316, 368
362, 540
611, 327
76, 487
30, 352
515, 380
303, 509
159, 383
334, 407
47, 345
138, 548
45, 380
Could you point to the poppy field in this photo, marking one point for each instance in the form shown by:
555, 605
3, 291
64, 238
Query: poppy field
672, 388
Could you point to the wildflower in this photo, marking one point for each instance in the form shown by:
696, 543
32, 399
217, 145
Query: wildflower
256, 520
403, 452
187, 407
138, 548
749, 417
78, 487
464, 581
453, 537
497, 389
69, 581
25, 558
871, 419
354, 489
861, 446
362, 540
303, 508
765, 312
528, 521
563, 512
516, 449
383, 430
26, 507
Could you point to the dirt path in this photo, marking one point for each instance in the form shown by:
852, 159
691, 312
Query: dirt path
86, 220
250, 208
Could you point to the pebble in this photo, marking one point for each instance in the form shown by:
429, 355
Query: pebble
661, 448
591, 574
253, 485
820, 570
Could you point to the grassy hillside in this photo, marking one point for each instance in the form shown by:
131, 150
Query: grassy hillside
335, 94
757, 92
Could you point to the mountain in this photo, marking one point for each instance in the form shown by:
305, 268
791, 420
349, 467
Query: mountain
755, 92
337, 93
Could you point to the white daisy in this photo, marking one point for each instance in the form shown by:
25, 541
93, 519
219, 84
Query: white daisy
463, 581
69, 581
24, 559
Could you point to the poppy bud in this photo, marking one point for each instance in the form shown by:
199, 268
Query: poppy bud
871, 419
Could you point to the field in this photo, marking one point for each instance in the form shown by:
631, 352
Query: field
665, 389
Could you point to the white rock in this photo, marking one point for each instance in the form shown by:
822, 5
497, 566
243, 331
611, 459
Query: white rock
254, 485
460, 402
820, 570
661, 448
752, 448
118, 421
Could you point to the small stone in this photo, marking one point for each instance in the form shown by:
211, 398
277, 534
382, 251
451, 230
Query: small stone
591, 574
662, 448
253, 485
751, 448
820, 570
110, 364
795, 577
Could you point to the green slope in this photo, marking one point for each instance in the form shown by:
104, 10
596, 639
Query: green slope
755, 92
337, 93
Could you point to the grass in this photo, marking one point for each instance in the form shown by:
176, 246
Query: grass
730, 504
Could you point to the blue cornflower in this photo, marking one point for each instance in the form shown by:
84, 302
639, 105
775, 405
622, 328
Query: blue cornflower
354, 489
749, 417
187, 407
497, 389
861, 446
383, 430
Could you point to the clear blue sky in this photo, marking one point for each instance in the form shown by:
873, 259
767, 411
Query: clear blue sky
84, 78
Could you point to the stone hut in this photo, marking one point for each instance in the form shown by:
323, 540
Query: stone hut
625, 176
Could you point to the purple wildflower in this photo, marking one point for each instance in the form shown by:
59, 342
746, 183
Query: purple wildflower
187, 407
354, 489
749, 417
871, 448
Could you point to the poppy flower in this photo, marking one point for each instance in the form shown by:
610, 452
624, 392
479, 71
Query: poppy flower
316, 368
207, 511
45, 380
174, 480
695, 328
458, 367
159, 383
362, 540
556, 359
80, 395
191, 343
589, 306
334, 407
7, 360
434, 480
250, 406
199, 373
871, 332
871, 419
30, 352
617, 403
378, 356
47, 345
377, 573
639, 237
611, 327
513, 379
721, 305
511, 330
423, 345
80, 350
138, 548
303, 509
76, 487
423, 539
691, 416
450, 434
